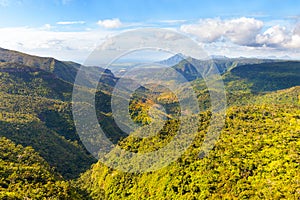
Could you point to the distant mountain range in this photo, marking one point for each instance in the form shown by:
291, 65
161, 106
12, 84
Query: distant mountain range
192, 68
36, 110
173, 60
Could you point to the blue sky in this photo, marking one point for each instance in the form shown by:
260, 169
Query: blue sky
70, 29
35, 13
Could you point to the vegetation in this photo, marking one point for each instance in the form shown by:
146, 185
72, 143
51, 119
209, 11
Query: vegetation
267, 76
47, 126
257, 155
26, 175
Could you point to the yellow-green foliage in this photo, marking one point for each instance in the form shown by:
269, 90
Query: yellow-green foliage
257, 156
47, 126
25, 175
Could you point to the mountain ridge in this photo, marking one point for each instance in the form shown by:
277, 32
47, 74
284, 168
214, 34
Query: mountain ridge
65, 70
256, 148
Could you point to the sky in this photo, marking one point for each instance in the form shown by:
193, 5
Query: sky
72, 29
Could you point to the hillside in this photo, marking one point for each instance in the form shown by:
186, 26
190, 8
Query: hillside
47, 126
36, 109
64, 70
26, 175
192, 68
242, 83
256, 156
266, 76
24, 80
290, 96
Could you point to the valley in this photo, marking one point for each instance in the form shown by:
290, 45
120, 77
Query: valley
256, 156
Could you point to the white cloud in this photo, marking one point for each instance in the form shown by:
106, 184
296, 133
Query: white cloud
233, 50
280, 37
110, 23
246, 32
70, 22
297, 29
236, 37
75, 46
294, 42
46, 27
274, 36
241, 31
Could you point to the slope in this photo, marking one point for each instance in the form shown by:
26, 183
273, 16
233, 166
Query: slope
266, 76
256, 156
47, 126
65, 70
26, 175
24, 80
36, 111
192, 68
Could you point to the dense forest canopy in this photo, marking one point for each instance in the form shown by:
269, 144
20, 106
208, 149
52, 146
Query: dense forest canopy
256, 156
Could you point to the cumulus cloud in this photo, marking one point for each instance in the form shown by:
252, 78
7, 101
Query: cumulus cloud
273, 36
280, 37
297, 29
234, 50
74, 46
235, 37
46, 27
294, 42
241, 31
110, 23
70, 22
245, 32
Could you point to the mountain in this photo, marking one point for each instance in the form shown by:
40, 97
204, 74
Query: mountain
36, 111
64, 70
47, 126
256, 156
173, 60
290, 96
21, 79
192, 68
26, 175
246, 81
217, 57
265, 77
257, 150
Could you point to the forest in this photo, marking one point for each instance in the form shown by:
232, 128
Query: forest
257, 154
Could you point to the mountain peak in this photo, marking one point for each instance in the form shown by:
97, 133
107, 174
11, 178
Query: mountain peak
173, 60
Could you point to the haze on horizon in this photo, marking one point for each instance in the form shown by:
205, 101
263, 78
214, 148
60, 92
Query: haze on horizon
71, 30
